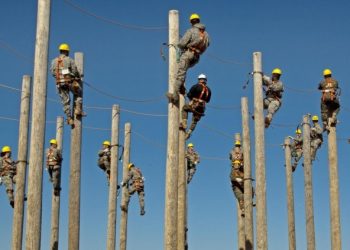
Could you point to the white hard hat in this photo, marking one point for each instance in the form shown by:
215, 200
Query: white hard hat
202, 76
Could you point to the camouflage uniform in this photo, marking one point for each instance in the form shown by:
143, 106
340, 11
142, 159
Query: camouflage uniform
192, 45
8, 173
192, 159
296, 150
67, 76
237, 175
330, 105
104, 161
199, 95
135, 183
316, 139
273, 96
53, 166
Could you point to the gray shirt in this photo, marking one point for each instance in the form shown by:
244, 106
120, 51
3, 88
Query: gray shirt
196, 37
274, 88
64, 65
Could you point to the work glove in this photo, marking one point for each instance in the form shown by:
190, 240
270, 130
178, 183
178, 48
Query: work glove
123, 184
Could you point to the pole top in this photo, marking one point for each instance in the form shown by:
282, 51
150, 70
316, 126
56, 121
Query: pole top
173, 12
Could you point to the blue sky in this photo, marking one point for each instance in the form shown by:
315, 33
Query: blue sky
302, 38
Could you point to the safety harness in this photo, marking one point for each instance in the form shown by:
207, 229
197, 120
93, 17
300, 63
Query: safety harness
328, 92
198, 104
138, 181
62, 78
8, 167
52, 158
201, 46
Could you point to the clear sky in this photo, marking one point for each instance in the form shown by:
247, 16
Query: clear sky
300, 37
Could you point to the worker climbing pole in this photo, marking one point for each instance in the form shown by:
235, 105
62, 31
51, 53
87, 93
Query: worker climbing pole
55, 211
199, 95
330, 105
68, 79
104, 159
53, 165
273, 94
191, 46
316, 137
296, 148
192, 160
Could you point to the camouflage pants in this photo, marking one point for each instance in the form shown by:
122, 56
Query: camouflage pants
296, 154
196, 110
9, 181
64, 93
55, 175
191, 170
272, 105
140, 193
329, 109
237, 187
315, 145
187, 60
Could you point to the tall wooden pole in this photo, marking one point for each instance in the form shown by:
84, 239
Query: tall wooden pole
112, 213
240, 219
309, 206
240, 228
170, 228
75, 170
33, 222
261, 224
290, 195
248, 202
125, 197
182, 188
334, 189
18, 214
56, 199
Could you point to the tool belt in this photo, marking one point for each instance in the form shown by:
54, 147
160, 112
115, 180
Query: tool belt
195, 51
237, 176
8, 170
138, 184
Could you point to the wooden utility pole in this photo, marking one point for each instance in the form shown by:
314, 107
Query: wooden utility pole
261, 224
170, 228
75, 169
112, 203
125, 197
248, 201
240, 218
309, 204
33, 222
334, 190
240, 228
290, 195
182, 188
18, 213
55, 211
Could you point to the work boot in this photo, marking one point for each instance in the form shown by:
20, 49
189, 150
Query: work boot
12, 204
70, 121
188, 134
78, 111
183, 125
294, 167
56, 191
142, 212
173, 98
267, 122
123, 208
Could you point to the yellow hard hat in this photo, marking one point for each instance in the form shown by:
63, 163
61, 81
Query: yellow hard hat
107, 143
315, 118
53, 141
298, 131
277, 71
237, 143
190, 145
130, 165
194, 16
327, 72
6, 149
64, 46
